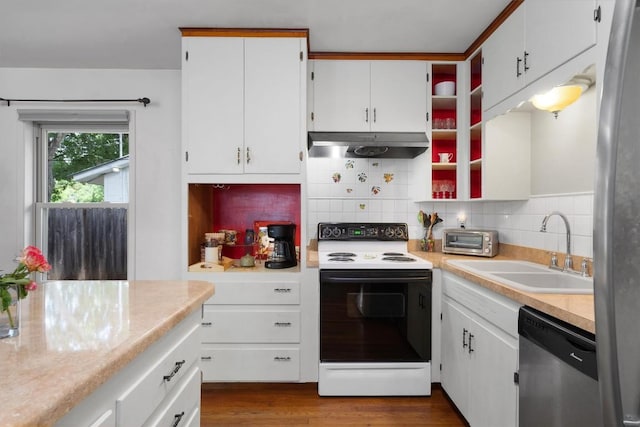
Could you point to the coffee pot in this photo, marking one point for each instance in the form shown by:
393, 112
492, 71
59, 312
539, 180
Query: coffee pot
284, 249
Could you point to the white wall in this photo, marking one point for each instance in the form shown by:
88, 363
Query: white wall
563, 149
155, 197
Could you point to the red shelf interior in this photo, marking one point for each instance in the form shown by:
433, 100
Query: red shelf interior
476, 117
475, 190
476, 149
476, 71
443, 146
443, 72
237, 207
445, 175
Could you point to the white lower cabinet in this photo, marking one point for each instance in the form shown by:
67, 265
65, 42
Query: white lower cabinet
251, 363
159, 387
251, 332
480, 352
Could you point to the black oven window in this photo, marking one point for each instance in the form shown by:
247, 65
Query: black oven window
378, 322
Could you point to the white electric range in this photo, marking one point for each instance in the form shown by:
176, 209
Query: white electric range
375, 312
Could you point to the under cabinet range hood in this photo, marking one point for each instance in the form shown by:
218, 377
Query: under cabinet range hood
390, 145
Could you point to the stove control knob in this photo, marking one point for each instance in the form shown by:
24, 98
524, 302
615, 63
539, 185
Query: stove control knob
328, 232
389, 232
400, 233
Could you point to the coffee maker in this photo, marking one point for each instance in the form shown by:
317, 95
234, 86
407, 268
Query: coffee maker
284, 248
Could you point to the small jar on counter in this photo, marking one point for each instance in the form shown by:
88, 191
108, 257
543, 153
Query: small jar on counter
211, 251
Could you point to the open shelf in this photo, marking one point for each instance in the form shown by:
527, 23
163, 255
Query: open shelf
444, 134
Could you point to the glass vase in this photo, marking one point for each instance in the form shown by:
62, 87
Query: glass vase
10, 318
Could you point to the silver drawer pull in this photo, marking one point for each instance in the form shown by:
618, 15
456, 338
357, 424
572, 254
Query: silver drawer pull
176, 368
282, 290
207, 324
282, 324
206, 358
282, 359
177, 418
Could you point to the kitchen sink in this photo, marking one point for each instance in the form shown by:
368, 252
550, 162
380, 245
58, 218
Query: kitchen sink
528, 276
548, 283
500, 266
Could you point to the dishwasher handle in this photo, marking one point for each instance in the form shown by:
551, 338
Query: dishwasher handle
566, 342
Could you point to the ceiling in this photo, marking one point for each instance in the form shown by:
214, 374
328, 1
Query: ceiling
143, 34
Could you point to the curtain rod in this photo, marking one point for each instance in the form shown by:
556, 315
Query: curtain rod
144, 100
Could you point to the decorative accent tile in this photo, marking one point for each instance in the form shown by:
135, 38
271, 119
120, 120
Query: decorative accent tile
388, 177
336, 177
362, 177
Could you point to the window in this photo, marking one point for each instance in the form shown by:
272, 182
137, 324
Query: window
82, 195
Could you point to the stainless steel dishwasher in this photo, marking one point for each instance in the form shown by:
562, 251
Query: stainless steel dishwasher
558, 380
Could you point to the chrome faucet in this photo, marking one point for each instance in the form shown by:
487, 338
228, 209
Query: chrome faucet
568, 261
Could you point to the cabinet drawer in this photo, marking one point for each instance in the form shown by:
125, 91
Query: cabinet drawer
243, 326
250, 364
181, 404
496, 309
277, 292
164, 372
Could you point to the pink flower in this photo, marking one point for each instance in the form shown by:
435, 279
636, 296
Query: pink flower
33, 259
31, 286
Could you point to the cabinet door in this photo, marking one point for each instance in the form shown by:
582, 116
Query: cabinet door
455, 358
503, 74
341, 96
507, 157
273, 83
213, 81
398, 96
494, 395
555, 32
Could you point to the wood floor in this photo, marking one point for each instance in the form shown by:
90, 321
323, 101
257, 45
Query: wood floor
299, 404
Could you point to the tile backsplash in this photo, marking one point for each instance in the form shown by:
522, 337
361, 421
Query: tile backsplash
377, 190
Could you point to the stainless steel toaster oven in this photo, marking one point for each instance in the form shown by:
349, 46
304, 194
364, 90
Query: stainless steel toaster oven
470, 242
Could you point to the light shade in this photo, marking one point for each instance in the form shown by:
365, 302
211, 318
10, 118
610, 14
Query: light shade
558, 98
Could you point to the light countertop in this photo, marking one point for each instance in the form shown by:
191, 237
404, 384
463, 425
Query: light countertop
74, 335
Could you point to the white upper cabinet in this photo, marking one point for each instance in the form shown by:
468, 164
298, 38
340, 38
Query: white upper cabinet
502, 73
362, 96
243, 104
538, 37
213, 103
556, 31
399, 96
340, 95
274, 79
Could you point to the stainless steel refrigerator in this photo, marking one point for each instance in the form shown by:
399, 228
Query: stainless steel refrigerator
617, 223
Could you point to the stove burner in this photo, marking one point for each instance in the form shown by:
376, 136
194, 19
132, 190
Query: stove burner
393, 254
341, 258
398, 258
341, 254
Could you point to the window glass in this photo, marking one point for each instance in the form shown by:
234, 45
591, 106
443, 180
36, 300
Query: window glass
87, 167
82, 216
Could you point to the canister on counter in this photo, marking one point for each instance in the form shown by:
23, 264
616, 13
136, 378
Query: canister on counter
211, 252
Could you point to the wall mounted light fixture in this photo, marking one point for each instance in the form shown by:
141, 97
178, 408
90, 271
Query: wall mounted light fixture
560, 97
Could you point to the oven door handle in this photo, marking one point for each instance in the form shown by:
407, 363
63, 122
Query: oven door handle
409, 280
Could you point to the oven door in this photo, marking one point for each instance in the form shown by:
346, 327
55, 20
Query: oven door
375, 316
